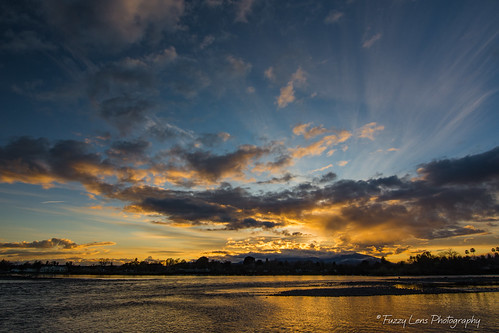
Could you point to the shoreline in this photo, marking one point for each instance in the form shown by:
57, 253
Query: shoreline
403, 286
377, 291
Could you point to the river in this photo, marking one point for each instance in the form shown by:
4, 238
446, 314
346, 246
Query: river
230, 304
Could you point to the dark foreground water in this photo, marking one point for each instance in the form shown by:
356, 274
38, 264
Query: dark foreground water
230, 304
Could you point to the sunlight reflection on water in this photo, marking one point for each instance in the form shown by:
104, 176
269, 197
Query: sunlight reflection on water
223, 304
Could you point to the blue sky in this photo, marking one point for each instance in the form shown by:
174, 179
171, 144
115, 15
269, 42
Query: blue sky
187, 128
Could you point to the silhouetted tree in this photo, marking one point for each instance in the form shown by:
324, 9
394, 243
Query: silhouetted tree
104, 262
248, 260
202, 262
450, 254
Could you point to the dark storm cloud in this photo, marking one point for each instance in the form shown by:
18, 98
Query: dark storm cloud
456, 231
188, 209
213, 167
37, 161
125, 76
183, 208
125, 112
51, 243
435, 206
327, 178
134, 151
276, 180
112, 23
467, 170
349, 190
123, 93
251, 223
282, 161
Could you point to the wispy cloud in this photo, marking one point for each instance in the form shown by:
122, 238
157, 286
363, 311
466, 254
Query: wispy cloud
207, 41
367, 43
333, 17
322, 169
309, 132
243, 10
269, 73
238, 65
369, 130
318, 147
287, 94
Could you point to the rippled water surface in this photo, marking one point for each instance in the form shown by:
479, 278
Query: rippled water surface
229, 304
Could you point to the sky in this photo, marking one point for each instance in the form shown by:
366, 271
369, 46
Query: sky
222, 128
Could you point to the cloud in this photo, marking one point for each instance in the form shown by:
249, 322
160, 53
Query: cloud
184, 209
123, 93
162, 130
278, 165
54, 247
323, 168
125, 112
342, 163
25, 41
207, 41
318, 147
251, 223
243, 10
61, 243
296, 245
299, 77
214, 3
307, 132
333, 17
275, 180
113, 23
37, 161
164, 57
129, 151
213, 167
367, 43
238, 66
269, 73
451, 198
367, 131
327, 178
212, 139
287, 94
478, 168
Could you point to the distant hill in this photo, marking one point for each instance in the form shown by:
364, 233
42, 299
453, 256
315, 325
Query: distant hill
342, 258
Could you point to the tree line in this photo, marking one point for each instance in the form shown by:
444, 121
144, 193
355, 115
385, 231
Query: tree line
446, 263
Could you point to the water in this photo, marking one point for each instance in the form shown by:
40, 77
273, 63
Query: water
228, 304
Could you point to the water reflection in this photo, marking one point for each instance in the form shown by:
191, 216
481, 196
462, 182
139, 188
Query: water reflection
224, 304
